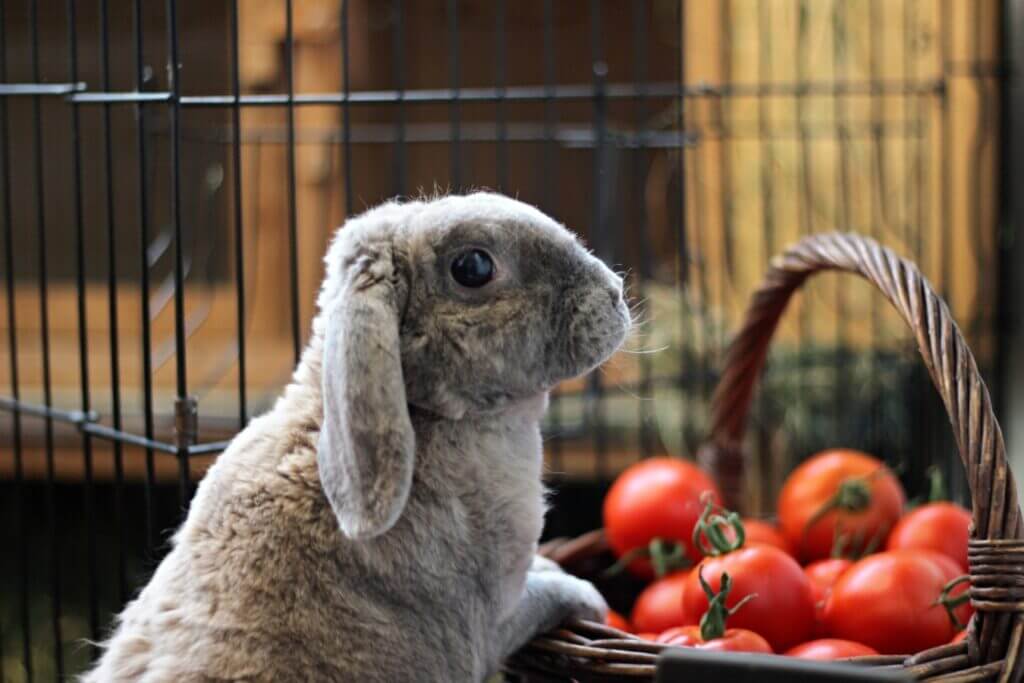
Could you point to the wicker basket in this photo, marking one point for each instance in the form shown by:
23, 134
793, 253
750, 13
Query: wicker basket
586, 651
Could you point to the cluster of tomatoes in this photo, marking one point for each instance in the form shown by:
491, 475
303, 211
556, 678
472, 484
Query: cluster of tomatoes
846, 571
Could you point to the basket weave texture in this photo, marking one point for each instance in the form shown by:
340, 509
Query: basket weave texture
586, 651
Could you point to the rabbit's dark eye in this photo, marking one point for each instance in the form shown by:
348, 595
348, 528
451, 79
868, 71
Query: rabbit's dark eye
473, 268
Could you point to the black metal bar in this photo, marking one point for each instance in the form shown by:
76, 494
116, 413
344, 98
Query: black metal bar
987, 286
293, 218
804, 217
549, 152
1009, 366
725, 131
640, 74
40, 89
683, 252
86, 422
876, 202
107, 98
15, 405
20, 523
454, 113
44, 316
501, 149
398, 70
147, 360
116, 435
181, 367
236, 160
207, 448
571, 136
526, 93
112, 307
979, 140
699, 160
92, 581
598, 223
346, 113
946, 200
766, 156
841, 386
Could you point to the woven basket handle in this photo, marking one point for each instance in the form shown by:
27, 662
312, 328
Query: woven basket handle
945, 353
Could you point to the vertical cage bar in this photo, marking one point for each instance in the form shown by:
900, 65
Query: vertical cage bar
595, 398
501, 126
112, 307
945, 267
346, 113
92, 582
948, 137
181, 368
640, 76
21, 522
699, 160
878, 214
841, 74
548, 177
44, 317
293, 219
454, 112
980, 325
923, 136
803, 210
766, 171
979, 79
236, 161
398, 55
683, 251
725, 124
141, 77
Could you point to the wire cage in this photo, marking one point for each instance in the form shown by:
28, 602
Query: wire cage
170, 174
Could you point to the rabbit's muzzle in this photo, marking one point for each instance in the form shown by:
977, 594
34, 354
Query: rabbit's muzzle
599, 318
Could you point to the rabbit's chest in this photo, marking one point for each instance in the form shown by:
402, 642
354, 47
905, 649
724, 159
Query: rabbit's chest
507, 510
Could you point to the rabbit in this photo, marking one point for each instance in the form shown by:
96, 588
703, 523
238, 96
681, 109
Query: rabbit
380, 522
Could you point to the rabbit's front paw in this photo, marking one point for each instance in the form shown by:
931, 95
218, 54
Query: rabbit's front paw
573, 598
543, 564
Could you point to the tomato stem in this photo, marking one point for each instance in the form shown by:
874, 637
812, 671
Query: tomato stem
936, 485
852, 495
666, 556
709, 531
713, 621
950, 603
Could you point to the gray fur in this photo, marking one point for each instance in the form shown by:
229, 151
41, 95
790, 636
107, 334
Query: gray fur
380, 522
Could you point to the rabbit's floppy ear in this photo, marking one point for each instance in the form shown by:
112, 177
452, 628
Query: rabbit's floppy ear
367, 446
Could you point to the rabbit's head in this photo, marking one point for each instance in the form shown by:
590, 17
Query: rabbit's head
459, 306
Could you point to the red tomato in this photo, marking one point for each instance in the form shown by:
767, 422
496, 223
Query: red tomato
660, 605
782, 612
823, 574
734, 640
759, 531
655, 498
616, 620
942, 527
952, 571
873, 497
888, 601
763, 532
830, 648
958, 637
647, 635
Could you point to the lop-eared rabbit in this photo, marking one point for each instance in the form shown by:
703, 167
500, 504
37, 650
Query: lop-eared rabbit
380, 523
